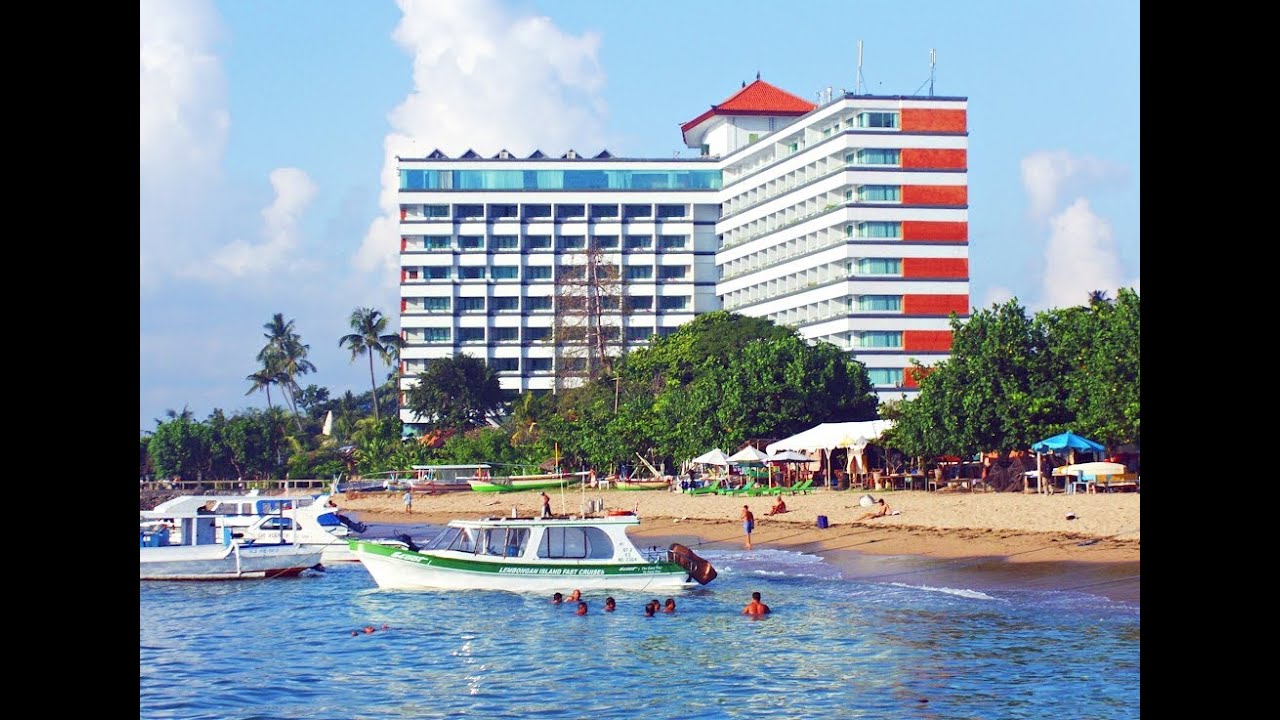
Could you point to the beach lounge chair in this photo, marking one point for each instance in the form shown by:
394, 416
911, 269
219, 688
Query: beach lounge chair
744, 490
803, 488
712, 489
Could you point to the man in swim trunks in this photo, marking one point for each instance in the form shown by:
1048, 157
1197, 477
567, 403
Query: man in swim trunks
755, 607
748, 523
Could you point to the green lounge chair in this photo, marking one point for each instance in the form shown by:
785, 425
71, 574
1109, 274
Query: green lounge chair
744, 490
712, 489
802, 488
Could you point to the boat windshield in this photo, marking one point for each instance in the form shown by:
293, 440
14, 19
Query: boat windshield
576, 542
444, 539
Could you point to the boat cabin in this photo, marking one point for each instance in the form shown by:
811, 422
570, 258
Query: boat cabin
534, 540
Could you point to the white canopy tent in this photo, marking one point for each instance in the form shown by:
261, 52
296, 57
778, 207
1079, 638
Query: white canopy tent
828, 436
713, 457
748, 454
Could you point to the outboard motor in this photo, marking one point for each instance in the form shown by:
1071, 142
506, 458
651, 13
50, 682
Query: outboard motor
355, 525
699, 569
408, 541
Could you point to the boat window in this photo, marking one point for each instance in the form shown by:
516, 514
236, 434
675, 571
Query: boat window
517, 539
328, 520
575, 543
444, 539
277, 523
465, 542
495, 543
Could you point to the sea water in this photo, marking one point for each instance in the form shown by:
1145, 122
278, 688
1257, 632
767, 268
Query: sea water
833, 648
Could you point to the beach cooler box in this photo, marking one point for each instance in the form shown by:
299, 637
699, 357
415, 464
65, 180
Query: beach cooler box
822, 522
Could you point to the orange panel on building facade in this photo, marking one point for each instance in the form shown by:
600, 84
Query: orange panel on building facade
922, 158
935, 195
922, 120
912, 376
934, 304
931, 230
926, 340
935, 267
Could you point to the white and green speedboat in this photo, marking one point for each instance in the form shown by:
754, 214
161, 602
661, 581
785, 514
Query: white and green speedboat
513, 483
523, 554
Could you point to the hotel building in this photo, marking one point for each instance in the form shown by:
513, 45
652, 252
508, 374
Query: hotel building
847, 221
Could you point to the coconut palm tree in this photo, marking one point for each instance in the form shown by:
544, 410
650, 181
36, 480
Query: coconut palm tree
370, 336
285, 356
262, 380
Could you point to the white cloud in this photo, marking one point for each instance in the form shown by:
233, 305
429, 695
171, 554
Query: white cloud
182, 124
294, 191
1079, 258
995, 295
1050, 176
486, 80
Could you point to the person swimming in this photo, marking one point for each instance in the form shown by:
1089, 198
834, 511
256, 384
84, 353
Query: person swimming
557, 599
610, 605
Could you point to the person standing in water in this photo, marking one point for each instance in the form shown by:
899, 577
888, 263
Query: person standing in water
748, 523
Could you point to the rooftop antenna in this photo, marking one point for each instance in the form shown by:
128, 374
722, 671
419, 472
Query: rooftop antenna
933, 62
857, 90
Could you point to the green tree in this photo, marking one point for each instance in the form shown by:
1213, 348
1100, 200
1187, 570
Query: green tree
262, 380
284, 357
369, 336
457, 393
179, 447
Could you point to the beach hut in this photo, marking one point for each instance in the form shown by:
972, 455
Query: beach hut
1067, 441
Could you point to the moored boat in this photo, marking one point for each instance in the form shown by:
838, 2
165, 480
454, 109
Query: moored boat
203, 556
640, 485
522, 554
319, 526
514, 483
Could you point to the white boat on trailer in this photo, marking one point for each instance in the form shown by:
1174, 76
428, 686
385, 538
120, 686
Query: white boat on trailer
523, 554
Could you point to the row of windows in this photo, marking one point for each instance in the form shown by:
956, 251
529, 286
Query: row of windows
544, 242
560, 180
540, 303
507, 211
544, 272
874, 229
531, 334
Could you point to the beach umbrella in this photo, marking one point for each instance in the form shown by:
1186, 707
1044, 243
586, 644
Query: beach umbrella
749, 455
1068, 441
712, 457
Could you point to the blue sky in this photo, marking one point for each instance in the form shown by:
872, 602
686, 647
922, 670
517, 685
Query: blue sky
267, 132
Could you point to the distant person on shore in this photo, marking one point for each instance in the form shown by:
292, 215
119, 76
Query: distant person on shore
557, 599
755, 607
582, 608
748, 523
408, 501
778, 507
546, 505
670, 607
884, 510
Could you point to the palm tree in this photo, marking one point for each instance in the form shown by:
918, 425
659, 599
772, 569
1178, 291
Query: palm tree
370, 336
262, 380
285, 357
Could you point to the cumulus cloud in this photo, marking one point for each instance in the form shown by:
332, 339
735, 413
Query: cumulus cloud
1080, 257
1051, 176
294, 190
484, 79
182, 124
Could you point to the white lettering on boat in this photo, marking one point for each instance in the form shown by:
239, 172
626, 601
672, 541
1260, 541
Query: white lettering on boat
552, 571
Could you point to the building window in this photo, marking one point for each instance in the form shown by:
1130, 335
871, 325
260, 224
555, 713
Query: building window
878, 119
639, 242
470, 304
505, 272
533, 304
877, 339
471, 273
470, 334
666, 212
605, 242
673, 272
875, 156
504, 364
666, 331
435, 334
468, 212
435, 211
879, 266
436, 273
635, 212
537, 272
879, 193
571, 242
504, 334
793, 147
470, 242
879, 303
498, 212
436, 304
602, 212
878, 229
639, 334
570, 211
504, 242
532, 212
885, 377
640, 302
537, 242
571, 273
436, 242
673, 302
411, 274
503, 304
535, 334
673, 242
639, 272
538, 364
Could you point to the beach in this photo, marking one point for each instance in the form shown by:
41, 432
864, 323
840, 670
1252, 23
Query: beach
992, 539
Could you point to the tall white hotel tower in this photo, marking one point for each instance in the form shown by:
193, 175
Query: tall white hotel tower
846, 221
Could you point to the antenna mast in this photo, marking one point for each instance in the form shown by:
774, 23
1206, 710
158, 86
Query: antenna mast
933, 62
857, 90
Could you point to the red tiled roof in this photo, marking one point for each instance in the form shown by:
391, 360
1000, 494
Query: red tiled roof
757, 98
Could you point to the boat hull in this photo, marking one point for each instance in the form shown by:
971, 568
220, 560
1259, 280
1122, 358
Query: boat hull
216, 562
500, 485
394, 566
653, 485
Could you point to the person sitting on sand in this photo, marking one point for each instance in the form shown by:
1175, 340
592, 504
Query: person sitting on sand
778, 507
755, 607
884, 510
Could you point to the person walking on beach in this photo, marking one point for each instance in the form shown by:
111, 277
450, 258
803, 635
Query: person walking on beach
408, 501
546, 505
748, 523
755, 607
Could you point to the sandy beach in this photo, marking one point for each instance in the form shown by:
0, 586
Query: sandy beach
991, 539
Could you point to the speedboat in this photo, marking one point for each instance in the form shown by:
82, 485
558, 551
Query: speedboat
320, 526
202, 555
524, 554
